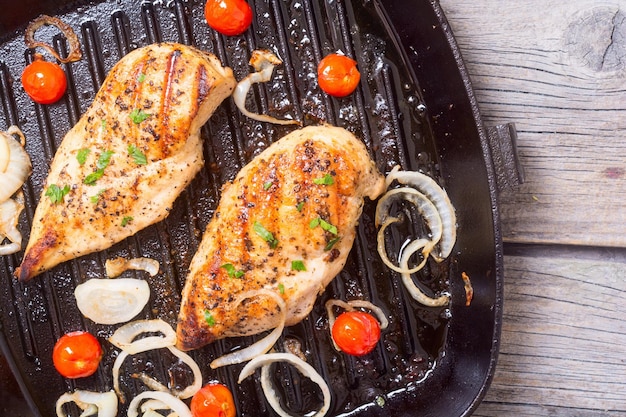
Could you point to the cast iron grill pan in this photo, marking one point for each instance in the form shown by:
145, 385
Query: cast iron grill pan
414, 108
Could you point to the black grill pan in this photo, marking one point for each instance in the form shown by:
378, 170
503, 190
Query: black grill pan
414, 107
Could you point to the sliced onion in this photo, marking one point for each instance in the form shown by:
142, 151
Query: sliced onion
165, 399
74, 53
117, 266
427, 186
263, 62
382, 250
9, 216
307, 370
15, 164
413, 289
104, 404
124, 337
112, 301
261, 346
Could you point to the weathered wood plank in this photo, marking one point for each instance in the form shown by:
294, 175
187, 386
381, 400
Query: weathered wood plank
563, 339
557, 70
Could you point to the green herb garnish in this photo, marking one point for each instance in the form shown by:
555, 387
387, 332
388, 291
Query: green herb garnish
82, 154
281, 288
95, 198
325, 180
93, 177
138, 116
232, 272
300, 206
267, 185
103, 161
138, 156
318, 221
56, 193
126, 220
141, 78
331, 243
298, 266
208, 317
265, 234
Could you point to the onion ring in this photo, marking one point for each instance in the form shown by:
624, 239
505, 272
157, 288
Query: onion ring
382, 251
112, 301
15, 164
415, 292
263, 62
74, 54
261, 346
117, 266
264, 361
438, 196
164, 398
104, 404
10, 212
124, 336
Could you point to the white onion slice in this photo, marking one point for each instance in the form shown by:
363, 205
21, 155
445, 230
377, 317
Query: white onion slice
427, 186
165, 400
382, 250
411, 287
15, 165
117, 266
124, 337
261, 346
104, 404
112, 301
307, 370
9, 216
263, 62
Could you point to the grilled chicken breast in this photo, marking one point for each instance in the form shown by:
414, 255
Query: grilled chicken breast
120, 168
286, 223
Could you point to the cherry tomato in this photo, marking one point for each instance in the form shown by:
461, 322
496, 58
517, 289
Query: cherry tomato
338, 75
213, 400
356, 332
77, 354
229, 17
44, 81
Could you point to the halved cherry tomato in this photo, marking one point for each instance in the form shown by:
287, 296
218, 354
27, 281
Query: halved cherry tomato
356, 332
213, 400
44, 81
338, 75
77, 354
229, 17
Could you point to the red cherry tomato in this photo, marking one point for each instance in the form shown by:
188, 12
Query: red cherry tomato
77, 354
44, 81
338, 75
356, 332
213, 400
229, 17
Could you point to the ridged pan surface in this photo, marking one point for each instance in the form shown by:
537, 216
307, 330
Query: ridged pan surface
414, 107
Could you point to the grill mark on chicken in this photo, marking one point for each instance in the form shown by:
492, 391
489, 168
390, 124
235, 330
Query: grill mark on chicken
268, 191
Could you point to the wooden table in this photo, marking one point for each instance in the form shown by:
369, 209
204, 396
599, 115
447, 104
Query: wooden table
558, 71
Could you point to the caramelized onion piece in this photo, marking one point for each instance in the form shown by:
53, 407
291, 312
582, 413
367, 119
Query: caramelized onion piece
104, 404
112, 301
74, 53
261, 346
264, 361
117, 266
166, 400
263, 62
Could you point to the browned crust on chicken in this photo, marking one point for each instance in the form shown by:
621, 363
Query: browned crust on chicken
154, 100
283, 190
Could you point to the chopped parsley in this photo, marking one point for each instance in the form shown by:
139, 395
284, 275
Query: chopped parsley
267, 185
56, 193
325, 180
138, 116
281, 288
265, 234
232, 272
141, 78
208, 317
300, 206
82, 154
138, 156
103, 161
126, 220
331, 243
298, 266
318, 221
95, 198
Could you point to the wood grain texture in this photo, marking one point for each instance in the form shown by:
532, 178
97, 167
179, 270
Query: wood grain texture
563, 345
558, 71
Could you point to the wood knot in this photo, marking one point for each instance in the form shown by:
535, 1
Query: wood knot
597, 38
